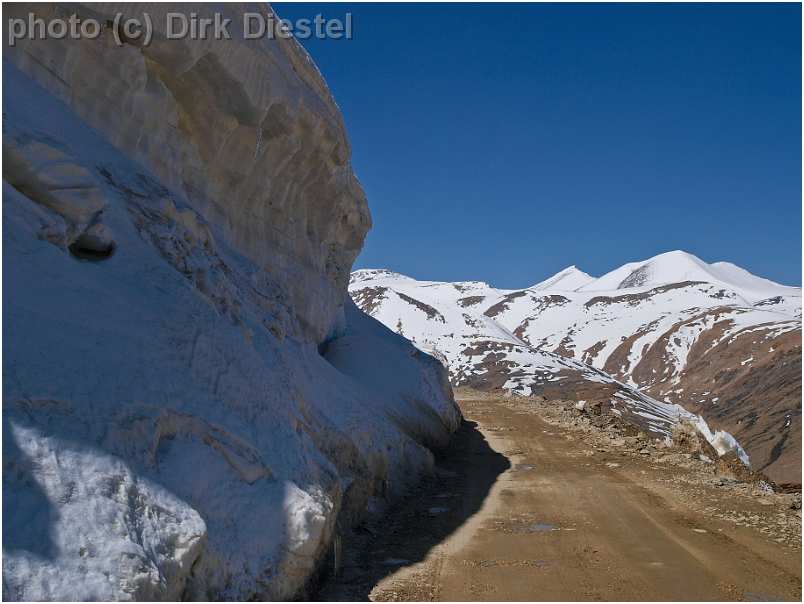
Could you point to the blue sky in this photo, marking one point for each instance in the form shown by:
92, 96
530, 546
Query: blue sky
505, 142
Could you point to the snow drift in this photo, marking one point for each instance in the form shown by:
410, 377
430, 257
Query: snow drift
192, 406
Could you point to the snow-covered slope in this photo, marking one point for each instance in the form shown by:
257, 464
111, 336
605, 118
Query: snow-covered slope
657, 326
191, 402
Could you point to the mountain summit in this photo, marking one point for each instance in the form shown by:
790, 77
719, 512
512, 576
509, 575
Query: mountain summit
570, 279
678, 267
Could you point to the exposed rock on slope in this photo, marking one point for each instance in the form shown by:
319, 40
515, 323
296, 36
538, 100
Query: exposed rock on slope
712, 338
189, 408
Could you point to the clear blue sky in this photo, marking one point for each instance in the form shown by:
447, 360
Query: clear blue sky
505, 142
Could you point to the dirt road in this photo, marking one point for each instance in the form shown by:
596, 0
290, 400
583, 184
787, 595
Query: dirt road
525, 510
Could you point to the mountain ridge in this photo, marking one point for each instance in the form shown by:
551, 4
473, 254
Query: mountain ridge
719, 341
730, 273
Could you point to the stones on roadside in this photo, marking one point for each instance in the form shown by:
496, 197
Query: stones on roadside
764, 488
724, 481
594, 408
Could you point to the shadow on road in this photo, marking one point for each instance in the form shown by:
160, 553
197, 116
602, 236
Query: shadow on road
466, 471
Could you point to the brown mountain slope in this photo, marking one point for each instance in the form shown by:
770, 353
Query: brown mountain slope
749, 385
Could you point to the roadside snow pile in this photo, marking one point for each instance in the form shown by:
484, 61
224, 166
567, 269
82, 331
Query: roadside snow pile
721, 441
189, 412
691, 430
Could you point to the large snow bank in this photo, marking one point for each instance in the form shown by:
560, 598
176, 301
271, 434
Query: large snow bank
171, 429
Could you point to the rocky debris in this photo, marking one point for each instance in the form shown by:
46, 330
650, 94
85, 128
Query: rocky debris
684, 440
470, 300
369, 298
595, 408
503, 304
685, 437
428, 310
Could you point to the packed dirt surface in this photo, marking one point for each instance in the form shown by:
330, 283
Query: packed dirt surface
531, 502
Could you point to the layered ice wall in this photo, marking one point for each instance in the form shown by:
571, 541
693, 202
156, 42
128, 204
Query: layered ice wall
246, 129
190, 411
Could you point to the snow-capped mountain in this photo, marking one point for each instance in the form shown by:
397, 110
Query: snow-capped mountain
712, 338
680, 267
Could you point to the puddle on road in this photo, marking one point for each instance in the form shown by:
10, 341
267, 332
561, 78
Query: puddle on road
540, 527
536, 527
527, 526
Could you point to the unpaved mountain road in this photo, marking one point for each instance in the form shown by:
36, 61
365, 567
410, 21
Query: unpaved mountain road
525, 510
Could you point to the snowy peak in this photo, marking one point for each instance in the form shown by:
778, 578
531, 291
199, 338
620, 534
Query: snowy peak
570, 279
670, 267
679, 267
374, 274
